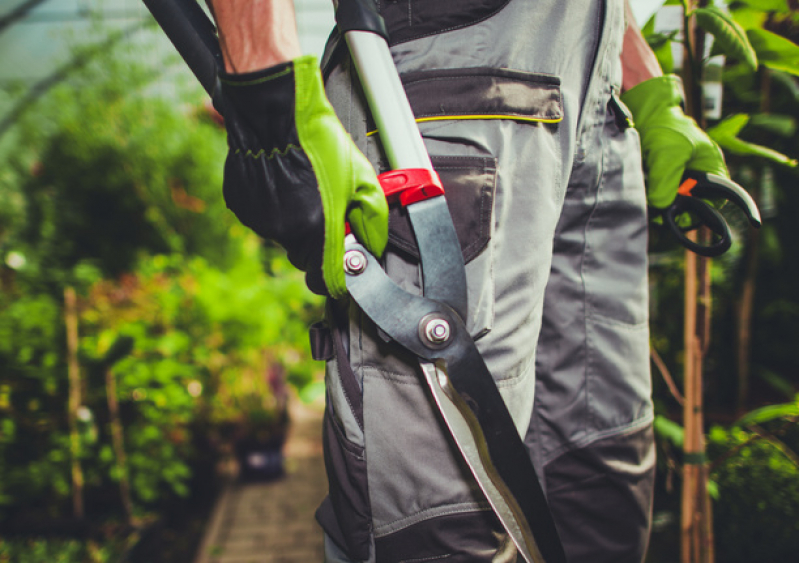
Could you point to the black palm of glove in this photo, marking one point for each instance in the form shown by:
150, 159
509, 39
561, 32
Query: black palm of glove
294, 175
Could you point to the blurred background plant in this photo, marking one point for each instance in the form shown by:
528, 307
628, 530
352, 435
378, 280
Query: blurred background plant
750, 362
188, 328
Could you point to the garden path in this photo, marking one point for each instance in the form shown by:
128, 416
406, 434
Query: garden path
273, 522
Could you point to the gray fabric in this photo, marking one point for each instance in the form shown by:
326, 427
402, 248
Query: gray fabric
575, 189
601, 498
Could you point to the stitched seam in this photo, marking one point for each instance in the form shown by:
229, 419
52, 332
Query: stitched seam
533, 78
283, 72
431, 558
396, 377
464, 117
592, 437
272, 154
406, 521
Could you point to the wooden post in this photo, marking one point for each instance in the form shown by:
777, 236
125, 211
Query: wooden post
696, 513
692, 365
73, 373
117, 438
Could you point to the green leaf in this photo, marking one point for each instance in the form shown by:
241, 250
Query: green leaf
782, 125
780, 6
774, 51
730, 37
749, 18
669, 430
726, 135
788, 82
779, 383
729, 127
769, 413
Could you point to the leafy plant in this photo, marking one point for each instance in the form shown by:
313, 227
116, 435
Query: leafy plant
756, 513
116, 192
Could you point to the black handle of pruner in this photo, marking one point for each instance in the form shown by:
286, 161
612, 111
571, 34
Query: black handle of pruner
696, 187
360, 15
194, 36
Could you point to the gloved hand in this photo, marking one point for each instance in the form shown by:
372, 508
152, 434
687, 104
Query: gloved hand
671, 142
294, 175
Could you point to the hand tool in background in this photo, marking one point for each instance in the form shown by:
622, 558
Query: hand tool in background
694, 189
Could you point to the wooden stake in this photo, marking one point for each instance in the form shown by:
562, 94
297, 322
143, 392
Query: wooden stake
118, 441
688, 508
73, 373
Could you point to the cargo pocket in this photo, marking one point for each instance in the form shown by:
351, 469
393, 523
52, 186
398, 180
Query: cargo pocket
345, 514
464, 114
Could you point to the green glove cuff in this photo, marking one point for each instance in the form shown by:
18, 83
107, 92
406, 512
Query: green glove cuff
652, 96
671, 142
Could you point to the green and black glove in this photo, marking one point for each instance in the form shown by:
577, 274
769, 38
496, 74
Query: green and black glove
293, 174
671, 142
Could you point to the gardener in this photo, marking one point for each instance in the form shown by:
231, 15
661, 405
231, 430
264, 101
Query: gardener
518, 102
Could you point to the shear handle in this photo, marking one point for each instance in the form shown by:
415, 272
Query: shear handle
715, 187
708, 216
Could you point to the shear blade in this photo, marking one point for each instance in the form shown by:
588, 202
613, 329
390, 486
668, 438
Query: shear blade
470, 440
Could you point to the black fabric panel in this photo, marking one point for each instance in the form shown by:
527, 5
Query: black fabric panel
346, 517
469, 183
349, 382
326, 516
466, 537
601, 498
483, 91
322, 348
411, 19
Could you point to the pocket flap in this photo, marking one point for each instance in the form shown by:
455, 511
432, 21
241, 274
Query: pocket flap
484, 93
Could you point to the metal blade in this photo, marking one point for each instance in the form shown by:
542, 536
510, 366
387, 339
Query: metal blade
470, 440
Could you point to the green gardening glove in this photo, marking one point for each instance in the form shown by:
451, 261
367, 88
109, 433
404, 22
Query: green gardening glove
671, 142
293, 174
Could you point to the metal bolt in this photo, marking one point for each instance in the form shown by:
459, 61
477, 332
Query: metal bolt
354, 262
437, 331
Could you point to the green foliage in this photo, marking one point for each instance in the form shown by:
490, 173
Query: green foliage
756, 515
726, 135
770, 413
56, 551
669, 430
731, 39
775, 52
117, 192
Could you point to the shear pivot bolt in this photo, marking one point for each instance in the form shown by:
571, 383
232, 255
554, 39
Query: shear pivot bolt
354, 262
437, 331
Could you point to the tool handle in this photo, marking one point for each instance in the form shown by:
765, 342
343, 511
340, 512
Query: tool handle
708, 216
194, 36
360, 15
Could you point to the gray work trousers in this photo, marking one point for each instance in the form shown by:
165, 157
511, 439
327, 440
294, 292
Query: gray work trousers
545, 185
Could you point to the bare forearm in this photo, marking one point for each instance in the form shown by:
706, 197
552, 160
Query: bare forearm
638, 62
256, 34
